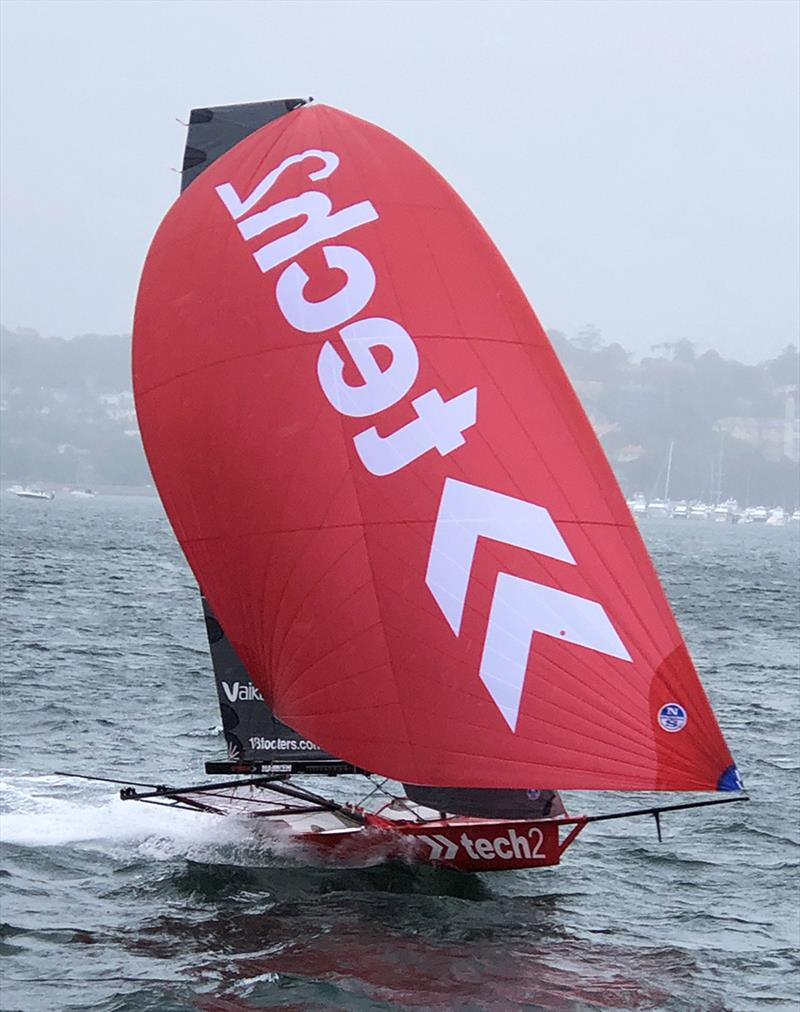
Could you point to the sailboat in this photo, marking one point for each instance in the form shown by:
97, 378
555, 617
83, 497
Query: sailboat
416, 563
663, 507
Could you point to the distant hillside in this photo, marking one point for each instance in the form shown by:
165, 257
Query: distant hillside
67, 416
66, 410
734, 428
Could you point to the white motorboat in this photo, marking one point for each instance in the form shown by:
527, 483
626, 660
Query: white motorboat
33, 493
756, 514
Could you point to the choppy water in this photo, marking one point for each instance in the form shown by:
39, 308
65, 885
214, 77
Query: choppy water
114, 906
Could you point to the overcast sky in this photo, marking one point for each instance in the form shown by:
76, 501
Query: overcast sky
636, 162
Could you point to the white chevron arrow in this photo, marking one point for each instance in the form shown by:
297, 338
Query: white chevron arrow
467, 512
443, 844
520, 608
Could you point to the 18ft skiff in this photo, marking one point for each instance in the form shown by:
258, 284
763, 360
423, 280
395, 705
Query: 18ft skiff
396, 508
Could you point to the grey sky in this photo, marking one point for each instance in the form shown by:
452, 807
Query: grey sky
636, 162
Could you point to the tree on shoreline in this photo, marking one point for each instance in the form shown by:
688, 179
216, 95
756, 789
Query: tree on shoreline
67, 415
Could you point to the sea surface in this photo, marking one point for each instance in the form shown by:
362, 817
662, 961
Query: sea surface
108, 905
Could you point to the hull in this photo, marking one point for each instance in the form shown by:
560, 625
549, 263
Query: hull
303, 824
468, 845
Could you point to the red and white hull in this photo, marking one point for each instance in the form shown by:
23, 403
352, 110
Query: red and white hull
401, 830
462, 844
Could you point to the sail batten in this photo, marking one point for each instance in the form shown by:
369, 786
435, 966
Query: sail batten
385, 483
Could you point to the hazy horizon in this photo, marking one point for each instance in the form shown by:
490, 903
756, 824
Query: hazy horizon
636, 164
654, 351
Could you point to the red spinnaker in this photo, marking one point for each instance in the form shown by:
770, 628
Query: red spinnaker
386, 486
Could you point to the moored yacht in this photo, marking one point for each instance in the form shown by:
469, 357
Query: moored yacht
638, 505
756, 514
726, 512
659, 508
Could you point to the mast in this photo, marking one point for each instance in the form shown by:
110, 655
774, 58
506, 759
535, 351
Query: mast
669, 470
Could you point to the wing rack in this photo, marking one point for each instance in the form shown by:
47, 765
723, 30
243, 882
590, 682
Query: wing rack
250, 798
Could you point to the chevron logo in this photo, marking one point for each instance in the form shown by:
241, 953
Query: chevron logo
440, 847
520, 608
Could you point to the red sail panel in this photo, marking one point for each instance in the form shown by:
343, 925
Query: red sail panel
386, 486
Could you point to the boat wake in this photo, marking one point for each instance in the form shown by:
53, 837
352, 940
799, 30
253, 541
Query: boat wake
51, 811
48, 811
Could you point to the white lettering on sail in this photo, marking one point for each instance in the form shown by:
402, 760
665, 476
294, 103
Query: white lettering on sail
262, 744
381, 387
314, 317
231, 691
439, 424
520, 608
319, 224
238, 206
240, 693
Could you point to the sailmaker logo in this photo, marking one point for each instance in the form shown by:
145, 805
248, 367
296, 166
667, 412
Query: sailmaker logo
672, 717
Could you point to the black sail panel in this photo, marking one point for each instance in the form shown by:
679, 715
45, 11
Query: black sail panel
252, 732
215, 130
487, 802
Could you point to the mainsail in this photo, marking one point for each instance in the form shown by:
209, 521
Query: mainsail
386, 486
215, 130
253, 734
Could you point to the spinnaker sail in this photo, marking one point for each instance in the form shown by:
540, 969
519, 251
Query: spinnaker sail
386, 486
